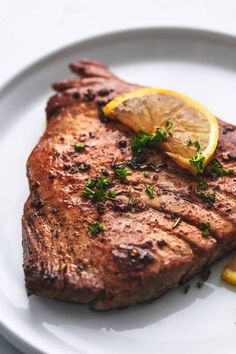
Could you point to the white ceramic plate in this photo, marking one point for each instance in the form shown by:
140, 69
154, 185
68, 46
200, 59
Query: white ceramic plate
198, 63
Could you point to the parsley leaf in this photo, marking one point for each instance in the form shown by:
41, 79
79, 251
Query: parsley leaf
207, 197
150, 191
198, 162
194, 143
199, 284
206, 233
218, 170
91, 182
143, 141
95, 188
206, 229
112, 194
95, 228
202, 185
104, 182
186, 288
121, 172
79, 147
96, 196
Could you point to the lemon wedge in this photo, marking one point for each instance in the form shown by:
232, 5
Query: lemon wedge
229, 273
192, 131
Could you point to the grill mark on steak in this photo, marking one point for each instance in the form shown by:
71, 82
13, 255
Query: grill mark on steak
61, 259
196, 215
185, 188
224, 205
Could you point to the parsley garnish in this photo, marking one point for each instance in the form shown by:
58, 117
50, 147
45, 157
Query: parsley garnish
150, 191
95, 228
198, 162
121, 172
194, 143
202, 185
146, 174
206, 233
206, 225
112, 194
207, 197
79, 147
169, 127
96, 196
104, 182
91, 182
218, 170
199, 284
95, 188
143, 141
186, 288
206, 229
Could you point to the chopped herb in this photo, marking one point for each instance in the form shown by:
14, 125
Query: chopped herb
96, 196
104, 182
159, 136
206, 224
146, 174
121, 172
186, 288
206, 233
143, 141
112, 194
95, 228
176, 223
169, 127
79, 147
83, 167
218, 170
100, 184
199, 284
91, 182
198, 162
207, 197
87, 192
206, 229
194, 143
150, 191
202, 185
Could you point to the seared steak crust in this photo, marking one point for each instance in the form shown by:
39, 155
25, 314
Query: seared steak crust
148, 246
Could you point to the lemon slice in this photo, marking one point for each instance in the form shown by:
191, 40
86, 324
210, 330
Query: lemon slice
229, 274
191, 129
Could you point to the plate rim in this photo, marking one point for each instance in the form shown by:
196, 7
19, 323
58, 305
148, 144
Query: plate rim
22, 342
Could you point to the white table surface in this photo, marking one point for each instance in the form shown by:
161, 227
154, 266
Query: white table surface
30, 29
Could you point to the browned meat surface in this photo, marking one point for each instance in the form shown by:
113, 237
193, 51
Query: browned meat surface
148, 246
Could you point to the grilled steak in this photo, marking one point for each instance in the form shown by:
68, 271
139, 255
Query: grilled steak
146, 246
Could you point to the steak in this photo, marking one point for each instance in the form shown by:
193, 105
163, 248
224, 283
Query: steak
146, 246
